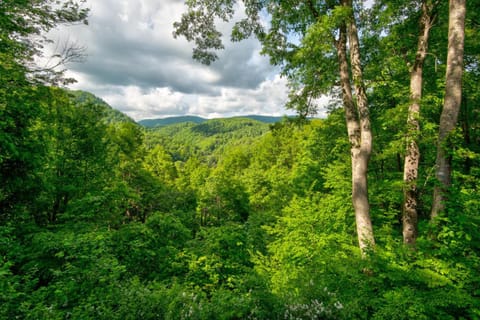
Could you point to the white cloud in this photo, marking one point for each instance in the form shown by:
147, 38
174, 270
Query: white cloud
158, 102
136, 66
269, 98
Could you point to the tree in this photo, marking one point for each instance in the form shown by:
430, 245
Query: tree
360, 154
412, 154
307, 65
358, 126
76, 152
20, 152
451, 105
22, 25
22, 28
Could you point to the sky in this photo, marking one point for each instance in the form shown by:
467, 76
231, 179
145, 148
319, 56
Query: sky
134, 64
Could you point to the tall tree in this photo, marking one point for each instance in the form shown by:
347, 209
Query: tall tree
452, 102
307, 65
361, 155
412, 154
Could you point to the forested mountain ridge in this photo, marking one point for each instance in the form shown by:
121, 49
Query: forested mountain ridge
101, 218
184, 140
152, 123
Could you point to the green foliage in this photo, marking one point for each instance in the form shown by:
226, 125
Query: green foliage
20, 152
76, 154
161, 165
231, 218
151, 250
207, 140
111, 115
263, 232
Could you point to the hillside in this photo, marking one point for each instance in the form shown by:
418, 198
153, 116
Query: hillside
111, 115
185, 139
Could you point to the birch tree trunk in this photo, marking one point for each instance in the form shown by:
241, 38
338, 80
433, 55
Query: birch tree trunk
412, 154
451, 105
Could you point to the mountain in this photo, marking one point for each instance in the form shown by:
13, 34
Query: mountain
112, 115
154, 123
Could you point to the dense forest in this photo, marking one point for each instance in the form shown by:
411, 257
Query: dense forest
103, 218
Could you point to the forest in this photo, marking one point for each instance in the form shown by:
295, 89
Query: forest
235, 218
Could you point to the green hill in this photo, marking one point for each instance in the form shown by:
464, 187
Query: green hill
206, 139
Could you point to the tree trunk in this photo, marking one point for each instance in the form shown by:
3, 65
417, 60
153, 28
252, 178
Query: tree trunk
451, 105
353, 125
359, 131
412, 155
361, 156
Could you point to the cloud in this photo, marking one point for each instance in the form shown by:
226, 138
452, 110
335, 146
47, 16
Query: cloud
135, 65
267, 98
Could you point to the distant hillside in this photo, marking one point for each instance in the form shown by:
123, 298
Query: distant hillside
153, 123
111, 115
264, 119
186, 139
